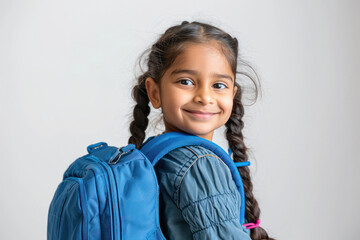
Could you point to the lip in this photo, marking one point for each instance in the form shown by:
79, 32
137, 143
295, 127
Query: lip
200, 114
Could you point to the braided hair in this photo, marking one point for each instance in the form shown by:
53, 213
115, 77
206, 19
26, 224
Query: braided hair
162, 54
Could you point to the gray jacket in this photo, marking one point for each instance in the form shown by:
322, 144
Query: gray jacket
198, 197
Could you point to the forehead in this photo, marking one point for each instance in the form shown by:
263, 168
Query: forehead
202, 57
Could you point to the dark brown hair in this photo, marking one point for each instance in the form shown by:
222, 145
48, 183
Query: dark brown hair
162, 54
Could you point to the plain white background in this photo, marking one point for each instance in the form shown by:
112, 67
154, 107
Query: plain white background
67, 67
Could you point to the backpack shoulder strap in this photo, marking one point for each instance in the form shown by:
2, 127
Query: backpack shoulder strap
157, 147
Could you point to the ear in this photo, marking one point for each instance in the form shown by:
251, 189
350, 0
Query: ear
235, 90
153, 92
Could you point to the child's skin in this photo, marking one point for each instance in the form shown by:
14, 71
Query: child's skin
200, 99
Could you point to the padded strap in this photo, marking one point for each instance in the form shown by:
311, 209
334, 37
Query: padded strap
159, 146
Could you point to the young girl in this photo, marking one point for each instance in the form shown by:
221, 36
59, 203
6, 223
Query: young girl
191, 76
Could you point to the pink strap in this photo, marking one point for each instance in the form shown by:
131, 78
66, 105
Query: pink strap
252, 225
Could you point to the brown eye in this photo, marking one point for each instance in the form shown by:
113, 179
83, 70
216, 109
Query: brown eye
184, 82
220, 85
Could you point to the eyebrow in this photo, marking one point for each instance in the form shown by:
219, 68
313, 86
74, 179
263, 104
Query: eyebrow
194, 72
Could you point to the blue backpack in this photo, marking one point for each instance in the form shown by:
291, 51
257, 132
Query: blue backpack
113, 193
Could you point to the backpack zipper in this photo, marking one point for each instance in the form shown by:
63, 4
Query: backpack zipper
113, 196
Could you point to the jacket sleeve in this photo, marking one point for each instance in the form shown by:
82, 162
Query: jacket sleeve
208, 198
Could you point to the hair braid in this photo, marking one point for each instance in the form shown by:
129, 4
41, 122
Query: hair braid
140, 113
235, 138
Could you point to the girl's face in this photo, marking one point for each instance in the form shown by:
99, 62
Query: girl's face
196, 93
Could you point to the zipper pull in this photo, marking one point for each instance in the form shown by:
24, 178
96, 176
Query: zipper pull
115, 158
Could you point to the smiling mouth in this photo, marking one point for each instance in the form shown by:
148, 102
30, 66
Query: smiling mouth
200, 115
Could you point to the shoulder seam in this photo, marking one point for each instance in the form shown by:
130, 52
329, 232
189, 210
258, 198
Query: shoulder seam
192, 151
178, 174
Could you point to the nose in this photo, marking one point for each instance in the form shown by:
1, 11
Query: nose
204, 95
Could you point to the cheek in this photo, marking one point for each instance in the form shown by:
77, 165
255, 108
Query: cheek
229, 110
171, 102
226, 103
174, 98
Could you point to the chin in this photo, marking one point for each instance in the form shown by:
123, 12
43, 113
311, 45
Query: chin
199, 133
